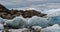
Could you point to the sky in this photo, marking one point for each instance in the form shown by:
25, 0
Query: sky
37, 4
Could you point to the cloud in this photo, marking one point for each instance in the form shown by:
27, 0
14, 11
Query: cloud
38, 4
53, 5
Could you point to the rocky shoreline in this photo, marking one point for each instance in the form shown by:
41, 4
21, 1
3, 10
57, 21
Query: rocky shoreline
10, 14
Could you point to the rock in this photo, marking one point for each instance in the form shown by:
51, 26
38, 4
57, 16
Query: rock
3, 8
38, 21
30, 13
10, 14
54, 28
13, 11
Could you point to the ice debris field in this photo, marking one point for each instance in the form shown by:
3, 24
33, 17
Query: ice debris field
49, 23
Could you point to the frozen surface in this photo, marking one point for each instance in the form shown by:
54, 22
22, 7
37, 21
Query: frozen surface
1, 31
54, 20
19, 30
54, 16
38, 21
54, 28
15, 30
53, 12
17, 22
36, 27
1, 20
1, 27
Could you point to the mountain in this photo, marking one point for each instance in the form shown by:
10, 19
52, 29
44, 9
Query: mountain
3, 8
9, 14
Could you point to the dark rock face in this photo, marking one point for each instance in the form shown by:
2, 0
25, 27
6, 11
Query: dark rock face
3, 9
30, 13
10, 14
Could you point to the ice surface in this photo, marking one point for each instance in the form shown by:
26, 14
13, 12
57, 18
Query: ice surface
20, 30
37, 28
38, 21
54, 16
17, 22
0, 31
54, 20
15, 30
1, 27
53, 12
54, 28
1, 20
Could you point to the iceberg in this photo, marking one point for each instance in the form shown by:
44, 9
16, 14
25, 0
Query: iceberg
2, 21
18, 22
38, 21
54, 20
1, 27
53, 12
36, 28
54, 16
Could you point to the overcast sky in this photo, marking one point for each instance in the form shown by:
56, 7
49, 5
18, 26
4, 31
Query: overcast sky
38, 4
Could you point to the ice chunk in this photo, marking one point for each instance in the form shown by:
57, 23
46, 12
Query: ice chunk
54, 17
53, 12
15, 30
1, 20
54, 20
20, 30
38, 21
37, 28
54, 28
0, 31
1, 27
17, 22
